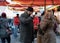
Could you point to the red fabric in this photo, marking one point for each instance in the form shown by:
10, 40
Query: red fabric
3, 3
38, 2
16, 21
36, 22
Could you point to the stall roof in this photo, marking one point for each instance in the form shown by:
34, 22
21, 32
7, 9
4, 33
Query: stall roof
39, 2
4, 3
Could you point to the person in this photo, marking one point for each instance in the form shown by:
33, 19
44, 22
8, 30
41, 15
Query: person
26, 26
4, 29
47, 25
16, 24
36, 23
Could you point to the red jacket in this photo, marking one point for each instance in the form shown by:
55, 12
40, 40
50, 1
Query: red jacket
36, 22
16, 21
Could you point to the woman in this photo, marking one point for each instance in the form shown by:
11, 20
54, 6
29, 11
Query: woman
4, 28
47, 25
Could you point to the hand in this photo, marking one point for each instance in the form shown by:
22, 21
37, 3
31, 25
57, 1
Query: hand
32, 15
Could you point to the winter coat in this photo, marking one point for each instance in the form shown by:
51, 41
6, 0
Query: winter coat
26, 28
4, 27
47, 25
16, 21
36, 22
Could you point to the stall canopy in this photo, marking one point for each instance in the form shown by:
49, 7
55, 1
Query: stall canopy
3, 3
25, 3
39, 2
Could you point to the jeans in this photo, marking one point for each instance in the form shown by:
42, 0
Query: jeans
15, 31
6, 38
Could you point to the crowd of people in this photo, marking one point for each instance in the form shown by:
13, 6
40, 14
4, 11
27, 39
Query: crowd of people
30, 26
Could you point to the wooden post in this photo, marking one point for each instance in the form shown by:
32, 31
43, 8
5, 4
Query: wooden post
32, 3
52, 2
44, 5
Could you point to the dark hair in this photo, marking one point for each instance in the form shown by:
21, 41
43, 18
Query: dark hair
52, 11
3, 15
43, 13
30, 9
17, 14
35, 12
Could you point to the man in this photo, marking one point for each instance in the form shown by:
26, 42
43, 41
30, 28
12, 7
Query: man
16, 23
26, 26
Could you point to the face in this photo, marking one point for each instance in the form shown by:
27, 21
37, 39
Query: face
49, 14
29, 12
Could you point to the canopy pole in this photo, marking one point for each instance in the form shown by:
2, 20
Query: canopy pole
32, 3
52, 2
44, 5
